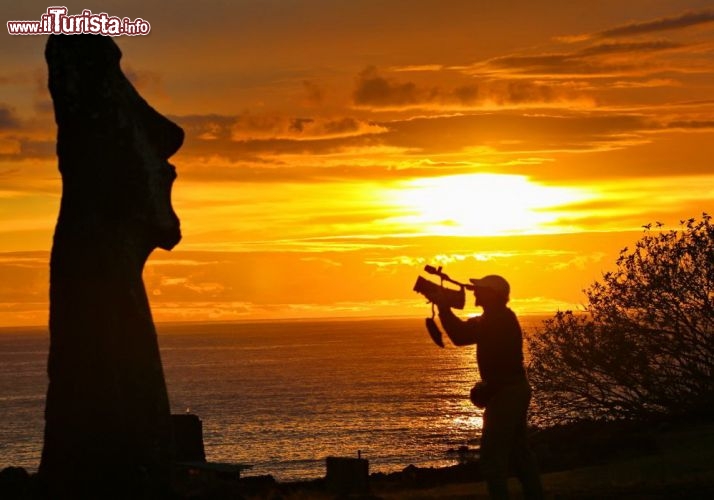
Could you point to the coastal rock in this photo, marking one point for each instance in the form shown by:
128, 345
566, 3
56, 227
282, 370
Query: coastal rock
15, 482
107, 419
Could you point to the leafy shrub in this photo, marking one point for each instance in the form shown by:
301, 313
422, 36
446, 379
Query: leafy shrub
644, 346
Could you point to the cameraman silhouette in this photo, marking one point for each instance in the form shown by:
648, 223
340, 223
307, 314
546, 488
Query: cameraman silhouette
504, 392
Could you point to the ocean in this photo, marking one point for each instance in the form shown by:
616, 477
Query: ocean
282, 396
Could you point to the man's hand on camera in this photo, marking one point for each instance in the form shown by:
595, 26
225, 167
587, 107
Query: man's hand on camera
447, 317
444, 308
438, 297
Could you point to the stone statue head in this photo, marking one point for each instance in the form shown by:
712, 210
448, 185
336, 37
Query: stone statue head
113, 147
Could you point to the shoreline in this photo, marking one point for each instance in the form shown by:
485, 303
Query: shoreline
654, 460
659, 459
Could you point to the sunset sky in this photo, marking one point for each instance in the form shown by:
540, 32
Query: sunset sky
335, 147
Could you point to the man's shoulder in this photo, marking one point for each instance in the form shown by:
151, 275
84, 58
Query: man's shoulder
500, 312
504, 317
511, 314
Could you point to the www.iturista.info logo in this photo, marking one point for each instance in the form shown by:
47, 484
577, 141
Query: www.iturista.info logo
56, 21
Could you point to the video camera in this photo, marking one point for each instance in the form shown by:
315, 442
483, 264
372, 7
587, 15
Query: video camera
438, 293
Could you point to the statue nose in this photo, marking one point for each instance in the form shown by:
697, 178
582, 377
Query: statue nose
164, 135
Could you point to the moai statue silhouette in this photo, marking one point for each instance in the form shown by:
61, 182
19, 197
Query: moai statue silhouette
107, 417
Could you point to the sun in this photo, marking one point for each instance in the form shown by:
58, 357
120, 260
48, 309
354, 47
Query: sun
481, 205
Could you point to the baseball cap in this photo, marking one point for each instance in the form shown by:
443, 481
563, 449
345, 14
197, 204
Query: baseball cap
493, 282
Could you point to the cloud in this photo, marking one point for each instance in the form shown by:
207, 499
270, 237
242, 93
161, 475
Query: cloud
188, 283
180, 262
372, 277
681, 21
510, 93
314, 94
418, 68
578, 262
450, 259
512, 133
691, 124
360, 165
377, 92
23, 78
640, 84
303, 129
525, 92
599, 60
16, 148
8, 118
24, 259
543, 305
628, 48
25, 277
327, 263
252, 127
9, 147
145, 81
449, 144
624, 201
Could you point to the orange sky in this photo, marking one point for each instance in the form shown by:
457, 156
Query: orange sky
335, 147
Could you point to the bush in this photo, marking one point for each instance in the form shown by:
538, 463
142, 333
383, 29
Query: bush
644, 346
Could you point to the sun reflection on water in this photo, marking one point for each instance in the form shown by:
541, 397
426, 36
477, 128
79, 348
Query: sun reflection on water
468, 422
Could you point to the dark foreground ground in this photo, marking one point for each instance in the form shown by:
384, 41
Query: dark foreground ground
676, 463
587, 461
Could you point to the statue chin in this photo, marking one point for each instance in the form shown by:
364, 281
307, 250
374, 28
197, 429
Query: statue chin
169, 238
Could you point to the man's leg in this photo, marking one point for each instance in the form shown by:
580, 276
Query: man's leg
499, 424
524, 460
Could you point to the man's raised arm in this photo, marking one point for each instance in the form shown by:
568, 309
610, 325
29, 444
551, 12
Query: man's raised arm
460, 332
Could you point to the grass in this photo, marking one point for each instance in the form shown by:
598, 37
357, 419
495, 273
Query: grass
681, 468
